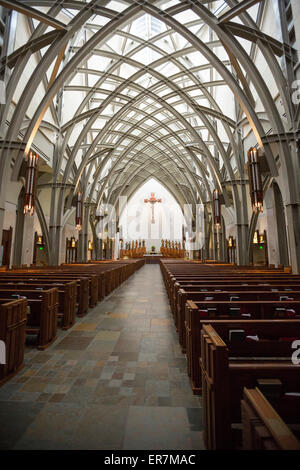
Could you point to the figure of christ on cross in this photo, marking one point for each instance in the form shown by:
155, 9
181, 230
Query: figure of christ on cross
152, 200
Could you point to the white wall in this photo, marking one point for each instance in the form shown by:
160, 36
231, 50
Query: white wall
168, 217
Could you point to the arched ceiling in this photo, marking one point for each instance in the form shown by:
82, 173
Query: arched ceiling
157, 94
146, 102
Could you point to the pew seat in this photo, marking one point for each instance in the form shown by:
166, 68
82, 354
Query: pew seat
224, 377
13, 316
263, 427
42, 319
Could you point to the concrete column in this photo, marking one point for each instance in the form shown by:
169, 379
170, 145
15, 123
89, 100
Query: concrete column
2, 212
100, 249
273, 247
296, 17
242, 226
293, 226
19, 233
28, 240
85, 234
85, 246
242, 244
55, 260
80, 246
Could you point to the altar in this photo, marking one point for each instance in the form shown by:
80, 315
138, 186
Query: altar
153, 258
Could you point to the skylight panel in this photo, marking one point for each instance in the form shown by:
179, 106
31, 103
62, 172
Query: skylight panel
125, 127
92, 80
169, 4
165, 44
146, 56
136, 132
117, 6
193, 93
101, 63
147, 26
99, 20
149, 122
139, 146
147, 80
186, 16
175, 127
194, 59
160, 116
127, 70
181, 108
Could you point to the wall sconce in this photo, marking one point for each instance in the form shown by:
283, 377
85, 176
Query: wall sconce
262, 238
216, 209
30, 183
256, 237
255, 184
78, 218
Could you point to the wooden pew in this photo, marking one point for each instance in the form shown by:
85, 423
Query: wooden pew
263, 428
46, 290
87, 293
224, 377
210, 289
82, 285
12, 332
255, 293
112, 273
67, 294
227, 283
196, 312
42, 320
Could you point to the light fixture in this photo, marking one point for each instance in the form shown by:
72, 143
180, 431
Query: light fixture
78, 220
30, 183
255, 185
230, 242
255, 237
216, 209
90, 246
73, 242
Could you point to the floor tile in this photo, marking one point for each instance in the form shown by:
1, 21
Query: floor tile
116, 380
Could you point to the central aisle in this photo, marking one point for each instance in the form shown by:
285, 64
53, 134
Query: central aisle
116, 380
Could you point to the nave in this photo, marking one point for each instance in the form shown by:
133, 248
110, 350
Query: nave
137, 132
115, 380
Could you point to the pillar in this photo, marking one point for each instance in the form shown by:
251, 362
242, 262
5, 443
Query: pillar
293, 226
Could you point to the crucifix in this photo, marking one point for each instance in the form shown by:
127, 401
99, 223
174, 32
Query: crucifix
152, 200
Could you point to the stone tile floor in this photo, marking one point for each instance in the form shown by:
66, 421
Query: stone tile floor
116, 380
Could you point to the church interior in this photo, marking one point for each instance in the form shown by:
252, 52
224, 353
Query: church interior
150, 225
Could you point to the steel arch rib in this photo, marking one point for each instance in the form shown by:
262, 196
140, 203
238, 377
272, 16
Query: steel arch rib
144, 7
147, 4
